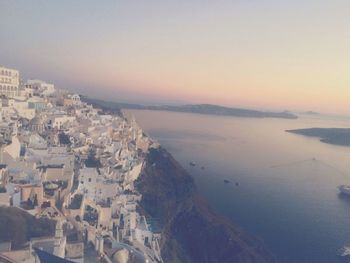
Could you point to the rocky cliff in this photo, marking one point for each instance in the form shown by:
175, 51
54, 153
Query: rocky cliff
191, 231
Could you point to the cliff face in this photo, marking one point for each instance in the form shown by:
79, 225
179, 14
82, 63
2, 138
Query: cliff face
191, 232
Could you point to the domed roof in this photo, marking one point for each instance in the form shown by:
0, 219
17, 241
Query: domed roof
51, 186
121, 256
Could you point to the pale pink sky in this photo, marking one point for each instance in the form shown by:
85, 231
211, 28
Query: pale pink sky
257, 54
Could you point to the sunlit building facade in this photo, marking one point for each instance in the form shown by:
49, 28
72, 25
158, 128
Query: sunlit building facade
9, 82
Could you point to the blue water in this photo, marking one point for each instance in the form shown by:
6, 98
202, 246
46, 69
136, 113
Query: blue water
287, 194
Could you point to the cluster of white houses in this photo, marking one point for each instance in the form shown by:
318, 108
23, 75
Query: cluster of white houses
65, 160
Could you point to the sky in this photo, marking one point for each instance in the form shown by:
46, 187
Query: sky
271, 54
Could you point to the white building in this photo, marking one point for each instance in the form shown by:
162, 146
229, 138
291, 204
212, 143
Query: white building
14, 149
59, 121
76, 99
88, 182
41, 86
22, 109
9, 82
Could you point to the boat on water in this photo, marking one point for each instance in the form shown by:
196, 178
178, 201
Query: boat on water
344, 251
192, 164
345, 189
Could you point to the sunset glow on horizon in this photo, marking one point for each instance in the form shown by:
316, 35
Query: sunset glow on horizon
274, 55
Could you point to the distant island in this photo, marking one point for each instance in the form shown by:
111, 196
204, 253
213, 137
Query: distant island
193, 108
336, 136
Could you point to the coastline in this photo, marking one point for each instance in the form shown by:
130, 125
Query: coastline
191, 231
334, 136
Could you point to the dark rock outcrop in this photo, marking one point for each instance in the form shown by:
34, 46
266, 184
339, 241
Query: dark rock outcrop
191, 231
18, 226
336, 136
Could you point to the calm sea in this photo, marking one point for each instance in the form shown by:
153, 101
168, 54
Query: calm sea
287, 184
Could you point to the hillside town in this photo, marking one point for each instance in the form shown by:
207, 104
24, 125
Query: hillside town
70, 162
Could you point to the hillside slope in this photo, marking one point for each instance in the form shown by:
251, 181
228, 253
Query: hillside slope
18, 226
191, 232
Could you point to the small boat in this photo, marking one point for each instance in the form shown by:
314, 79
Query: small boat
192, 164
344, 251
345, 189
226, 181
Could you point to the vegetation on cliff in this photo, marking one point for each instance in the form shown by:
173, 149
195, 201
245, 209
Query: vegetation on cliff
18, 226
191, 231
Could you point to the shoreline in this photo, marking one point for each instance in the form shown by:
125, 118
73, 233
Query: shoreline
191, 230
